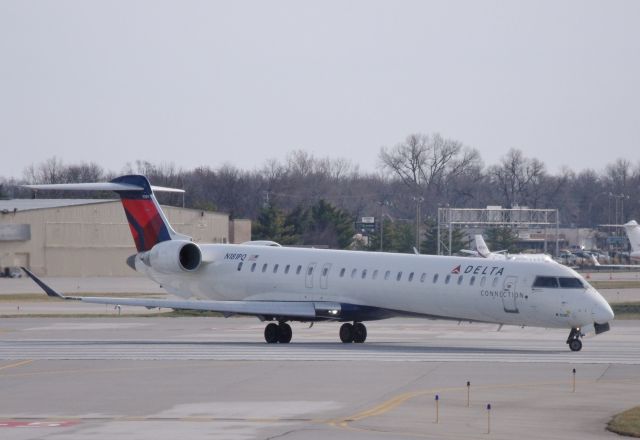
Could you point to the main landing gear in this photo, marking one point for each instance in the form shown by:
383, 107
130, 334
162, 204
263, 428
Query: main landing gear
356, 332
280, 332
575, 344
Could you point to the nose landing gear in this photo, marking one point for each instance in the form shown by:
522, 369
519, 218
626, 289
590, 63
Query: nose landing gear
575, 344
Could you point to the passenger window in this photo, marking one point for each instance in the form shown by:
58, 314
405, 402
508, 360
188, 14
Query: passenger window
310, 270
399, 276
423, 277
375, 274
342, 271
483, 280
472, 280
387, 274
298, 269
460, 277
495, 282
253, 267
286, 268
325, 271
364, 273
435, 278
411, 276
264, 267
447, 279
570, 283
275, 268
546, 282
353, 273
239, 266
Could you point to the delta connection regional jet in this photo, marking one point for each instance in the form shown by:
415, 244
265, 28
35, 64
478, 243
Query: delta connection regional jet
279, 284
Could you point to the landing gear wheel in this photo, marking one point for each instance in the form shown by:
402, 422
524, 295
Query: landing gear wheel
346, 333
284, 333
359, 333
271, 333
575, 345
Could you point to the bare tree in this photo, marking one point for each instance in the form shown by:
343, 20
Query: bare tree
424, 162
518, 179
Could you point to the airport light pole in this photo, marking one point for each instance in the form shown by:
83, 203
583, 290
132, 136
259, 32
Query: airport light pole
418, 200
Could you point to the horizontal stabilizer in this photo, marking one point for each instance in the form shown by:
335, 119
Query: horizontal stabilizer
100, 186
149, 226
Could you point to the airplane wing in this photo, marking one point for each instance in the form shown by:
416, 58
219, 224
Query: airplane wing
290, 309
596, 263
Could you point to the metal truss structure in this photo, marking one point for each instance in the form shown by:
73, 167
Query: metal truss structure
479, 219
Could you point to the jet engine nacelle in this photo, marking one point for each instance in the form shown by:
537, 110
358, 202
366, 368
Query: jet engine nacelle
174, 256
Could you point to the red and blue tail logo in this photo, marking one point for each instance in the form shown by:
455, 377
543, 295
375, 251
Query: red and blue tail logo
146, 221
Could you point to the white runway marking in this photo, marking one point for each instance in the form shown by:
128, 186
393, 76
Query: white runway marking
376, 352
240, 339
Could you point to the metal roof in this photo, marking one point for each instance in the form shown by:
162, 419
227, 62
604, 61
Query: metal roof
7, 206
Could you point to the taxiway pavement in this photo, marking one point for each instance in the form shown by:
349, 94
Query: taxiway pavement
167, 378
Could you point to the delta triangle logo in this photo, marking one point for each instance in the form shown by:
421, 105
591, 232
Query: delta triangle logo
456, 269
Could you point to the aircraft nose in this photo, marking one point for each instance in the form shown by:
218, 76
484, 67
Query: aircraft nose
602, 312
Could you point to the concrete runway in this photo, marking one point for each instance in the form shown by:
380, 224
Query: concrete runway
167, 378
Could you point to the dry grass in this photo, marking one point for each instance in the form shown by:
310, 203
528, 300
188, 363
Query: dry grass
630, 310
615, 284
626, 423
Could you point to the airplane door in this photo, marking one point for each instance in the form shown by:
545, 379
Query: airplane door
509, 296
309, 275
324, 275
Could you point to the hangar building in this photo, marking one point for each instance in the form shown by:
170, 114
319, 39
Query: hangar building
91, 237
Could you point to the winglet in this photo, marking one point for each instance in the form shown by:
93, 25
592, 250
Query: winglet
48, 290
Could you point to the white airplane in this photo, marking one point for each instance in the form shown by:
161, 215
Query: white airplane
483, 250
280, 285
633, 233
632, 229
596, 263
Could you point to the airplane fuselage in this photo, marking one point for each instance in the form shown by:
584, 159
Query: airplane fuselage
378, 285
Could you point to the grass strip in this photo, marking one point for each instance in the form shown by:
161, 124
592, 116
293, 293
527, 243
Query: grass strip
629, 310
615, 284
626, 423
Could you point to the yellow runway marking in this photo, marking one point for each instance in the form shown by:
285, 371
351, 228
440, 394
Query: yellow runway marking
394, 402
103, 370
17, 364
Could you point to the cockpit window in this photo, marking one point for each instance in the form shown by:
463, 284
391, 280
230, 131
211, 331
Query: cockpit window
569, 282
545, 282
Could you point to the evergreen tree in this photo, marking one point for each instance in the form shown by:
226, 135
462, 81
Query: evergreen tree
402, 238
298, 220
430, 244
502, 239
270, 225
397, 237
329, 225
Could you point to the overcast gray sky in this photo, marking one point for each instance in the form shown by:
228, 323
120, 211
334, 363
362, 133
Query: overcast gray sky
204, 82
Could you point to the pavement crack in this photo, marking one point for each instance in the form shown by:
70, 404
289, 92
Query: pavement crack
603, 373
291, 431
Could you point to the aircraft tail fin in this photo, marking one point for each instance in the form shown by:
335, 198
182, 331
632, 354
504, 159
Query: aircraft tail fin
481, 246
147, 222
633, 233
